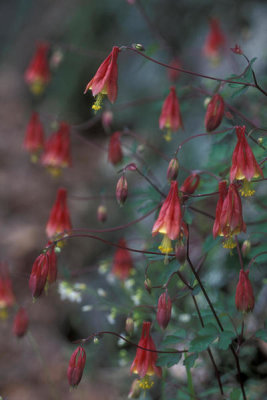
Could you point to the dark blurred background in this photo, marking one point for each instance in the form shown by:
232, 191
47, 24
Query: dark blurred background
83, 33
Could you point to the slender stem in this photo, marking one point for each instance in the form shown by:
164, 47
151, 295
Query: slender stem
146, 143
187, 71
150, 182
201, 212
217, 373
254, 258
239, 253
190, 385
101, 333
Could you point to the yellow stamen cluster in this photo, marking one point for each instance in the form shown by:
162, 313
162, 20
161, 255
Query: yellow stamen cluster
229, 243
246, 189
146, 383
166, 245
37, 87
168, 135
98, 103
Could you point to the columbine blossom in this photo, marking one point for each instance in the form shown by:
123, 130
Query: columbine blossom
37, 75
59, 219
34, 137
170, 117
122, 263
244, 297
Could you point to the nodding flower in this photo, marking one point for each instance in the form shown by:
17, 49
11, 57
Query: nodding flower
105, 80
170, 117
244, 297
37, 75
7, 298
214, 41
59, 219
20, 323
57, 150
144, 363
214, 113
115, 155
122, 263
34, 137
244, 165
164, 310
76, 366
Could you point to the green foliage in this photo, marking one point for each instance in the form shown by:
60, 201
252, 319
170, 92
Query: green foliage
236, 394
169, 359
189, 361
262, 334
204, 339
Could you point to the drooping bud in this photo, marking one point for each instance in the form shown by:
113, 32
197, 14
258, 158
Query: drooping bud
214, 113
237, 50
122, 190
173, 169
244, 297
115, 155
129, 325
37, 75
164, 310
102, 213
21, 322
107, 118
148, 285
34, 137
190, 185
39, 275
76, 366
135, 390
59, 220
180, 253
246, 246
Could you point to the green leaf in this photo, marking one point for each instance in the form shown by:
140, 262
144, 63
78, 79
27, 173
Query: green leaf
205, 337
188, 216
241, 90
196, 290
262, 334
168, 359
175, 338
235, 394
209, 243
225, 339
189, 361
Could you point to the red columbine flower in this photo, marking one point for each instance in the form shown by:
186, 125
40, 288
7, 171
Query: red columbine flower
105, 80
59, 219
190, 185
39, 275
215, 40
214, 113
164, 310
34, 138
244, 165
37, 75
217, 223
21, 322
244, 297
76, 366
169, 221
231, 218
122, 190
144, 363
122, 263
170, 117
173, 74
57, 150
114, 149
7, 298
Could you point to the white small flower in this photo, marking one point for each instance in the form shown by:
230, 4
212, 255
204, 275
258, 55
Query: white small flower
101, 292
87, 307
111, 319
184, 317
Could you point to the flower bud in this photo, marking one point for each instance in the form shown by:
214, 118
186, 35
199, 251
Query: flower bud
214, 113
148, 285
244, 297
173, 169
135, 390
190, 185
107, 118
39, 275
76, 366
237, 49
102, 213
246, 246
21, 322
164, 310
129, 325
180, 253
122, 190
115, 155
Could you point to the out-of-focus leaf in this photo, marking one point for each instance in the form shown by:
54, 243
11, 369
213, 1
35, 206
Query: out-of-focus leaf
169, 359
262, 334
189, 361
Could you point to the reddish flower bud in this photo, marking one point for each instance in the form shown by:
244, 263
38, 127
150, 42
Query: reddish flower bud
21, 322
173, 169
244, 297
57, 150
144, 363
59, 219
222, 194
122, 263
244, 165
102, 213
237, 49
180, 253
190, 185
122, 190
173, 74
215, 40
34, 138
39, 275
164, 310
76, 366
105, 80
214, 113
170, 117
129, 325
115, 155
107, 118
37, 75
7, 298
